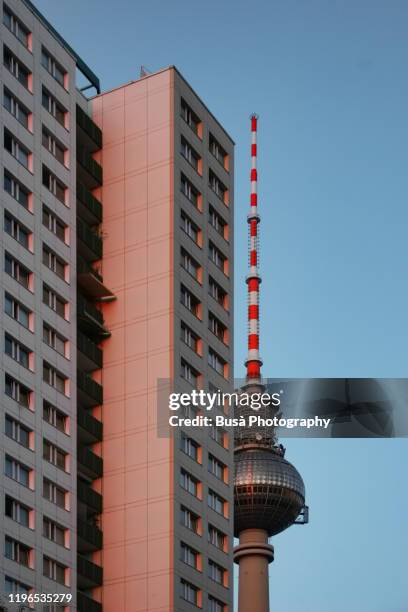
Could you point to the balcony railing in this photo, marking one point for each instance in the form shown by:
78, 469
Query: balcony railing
89, 387
89, 571
92, 206
83, 267
86, 308
92, 427
92, 464
93, 353
91, 281
93, 169
89, 127
91, 240
91, 534
88, 496
87, 604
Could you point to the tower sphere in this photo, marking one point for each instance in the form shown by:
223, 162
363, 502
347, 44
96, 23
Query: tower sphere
268, 492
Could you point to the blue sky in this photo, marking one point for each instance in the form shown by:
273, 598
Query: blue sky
328, 79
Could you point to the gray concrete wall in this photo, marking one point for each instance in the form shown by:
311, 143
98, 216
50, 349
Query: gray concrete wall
33, 300
200, 363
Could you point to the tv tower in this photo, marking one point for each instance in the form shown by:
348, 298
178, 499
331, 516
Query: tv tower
269, 494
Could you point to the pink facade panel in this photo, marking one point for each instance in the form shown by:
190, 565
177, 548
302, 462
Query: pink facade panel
137, 198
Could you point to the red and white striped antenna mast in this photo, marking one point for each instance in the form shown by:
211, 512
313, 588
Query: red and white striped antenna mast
253, 362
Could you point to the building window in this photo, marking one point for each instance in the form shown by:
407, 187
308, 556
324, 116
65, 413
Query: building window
55, 494
53, 145
218, 151
190, 265
217, 186
16, 67
16, 108
17, 551
16, 190
189, 337
216, 502
216, 537
53, 67
189, 483
54, 378
189, 592
216, 362
190, 154
189, 373
17, 511
218, 223
53, 223
17, 432
189, 227
17, 149
54, 570
189, 556
17, 351
15, 269
52, 261
217, 292
53, 531
16, 230
17, 471
55, 417
218, 434
190, 301
217, 257
189, 519
188, 189
216, 327
216, 572
16, 26
53, 184
215, 605
190, 117
15, 587
16, 310
55, 455
55, 302
52, 105
189, 447
216, 467
17, 391
54, 339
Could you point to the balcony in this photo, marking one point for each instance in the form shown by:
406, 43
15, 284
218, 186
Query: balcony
87, 604
90, 537
90, 429
90, 356
88, 132
89, 497
89, 464
90, 393
89, 208
91, 281
90, 318
89, 171
89, 243
89, 574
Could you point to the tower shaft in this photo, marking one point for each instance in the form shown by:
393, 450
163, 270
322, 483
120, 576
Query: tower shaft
269, 493
253, 556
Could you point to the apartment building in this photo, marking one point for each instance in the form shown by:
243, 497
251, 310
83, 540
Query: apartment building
117, 250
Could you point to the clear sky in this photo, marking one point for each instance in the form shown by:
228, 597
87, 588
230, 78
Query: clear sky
329, 81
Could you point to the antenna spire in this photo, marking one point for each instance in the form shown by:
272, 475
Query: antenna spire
253, 362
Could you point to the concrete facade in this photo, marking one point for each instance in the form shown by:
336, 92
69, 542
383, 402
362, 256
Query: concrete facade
143, 130
30, 218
